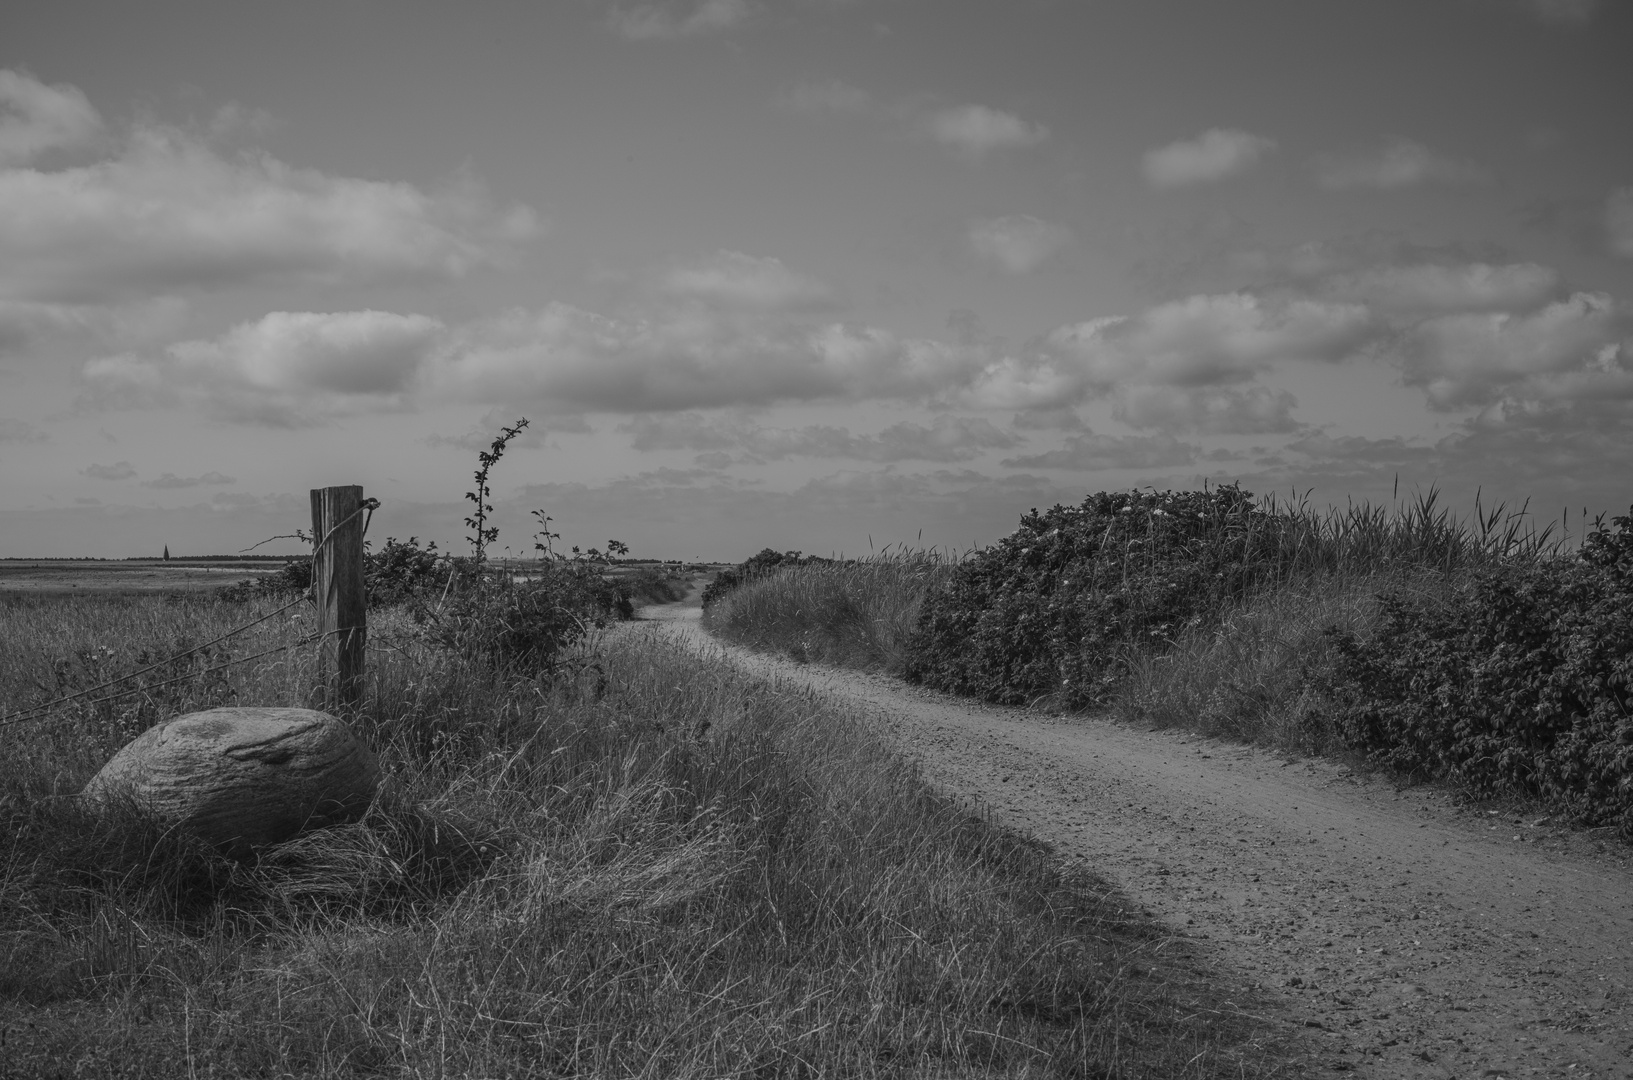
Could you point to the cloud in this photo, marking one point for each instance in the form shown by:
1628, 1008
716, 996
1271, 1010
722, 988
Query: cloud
690, 358
732, 279
1093, 453
120, 470
171, 480
35, 118
976, 130
20, 431
1428, 287
651, 22
1402, 163
1215, 410
1578, 350
1619, 222
1017, 243
1214, 155
167, 213
830, 96
947, 438
1204, 340
287, 369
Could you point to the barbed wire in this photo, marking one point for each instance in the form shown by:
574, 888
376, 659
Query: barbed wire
369, 505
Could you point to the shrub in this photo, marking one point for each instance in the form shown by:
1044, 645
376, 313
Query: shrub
525, 624
402, 570
753, 567
292, 579
1049, 609
650, 585
1517, 677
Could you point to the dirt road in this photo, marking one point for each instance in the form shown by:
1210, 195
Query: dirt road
1411, 937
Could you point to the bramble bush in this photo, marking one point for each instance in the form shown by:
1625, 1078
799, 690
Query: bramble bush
1052, 608
1516, 678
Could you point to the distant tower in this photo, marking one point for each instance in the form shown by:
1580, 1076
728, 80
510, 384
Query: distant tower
167, 553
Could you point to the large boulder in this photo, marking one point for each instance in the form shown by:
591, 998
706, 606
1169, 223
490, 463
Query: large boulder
242, 778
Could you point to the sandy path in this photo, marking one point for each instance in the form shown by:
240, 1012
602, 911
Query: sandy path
1411, 937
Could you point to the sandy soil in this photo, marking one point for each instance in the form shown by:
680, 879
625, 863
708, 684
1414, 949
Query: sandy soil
1405, 934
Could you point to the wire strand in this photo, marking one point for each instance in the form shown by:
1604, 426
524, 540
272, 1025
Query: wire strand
368, 505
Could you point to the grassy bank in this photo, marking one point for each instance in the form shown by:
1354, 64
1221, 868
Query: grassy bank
644, 864
859, 613
1477, 649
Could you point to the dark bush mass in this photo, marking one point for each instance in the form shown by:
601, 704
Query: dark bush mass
1516, 678
1050, 608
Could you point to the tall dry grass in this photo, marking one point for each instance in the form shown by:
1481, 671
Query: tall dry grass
855, 613
648, 864
1251, 671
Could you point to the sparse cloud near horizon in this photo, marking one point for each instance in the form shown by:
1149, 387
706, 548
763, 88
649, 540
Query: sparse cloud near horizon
170, 481
945, 439
1096, 453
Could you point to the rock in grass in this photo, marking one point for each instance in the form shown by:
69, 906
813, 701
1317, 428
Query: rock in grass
242, 778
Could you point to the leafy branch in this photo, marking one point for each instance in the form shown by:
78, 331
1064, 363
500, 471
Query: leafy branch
483, 534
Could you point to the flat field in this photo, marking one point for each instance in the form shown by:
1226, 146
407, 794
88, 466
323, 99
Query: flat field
130, 575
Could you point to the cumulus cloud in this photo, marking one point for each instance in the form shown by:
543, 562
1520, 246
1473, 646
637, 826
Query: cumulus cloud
1214, 155
20, 431
1402, 163
1017, 243
828, 96
35, 118
946, 438
649, 22
171, 480
1093, 453
732, 279
976, 130
1574, 350
286, 369
1619, 222
166, 212
686, 359
119, 470
1205, 340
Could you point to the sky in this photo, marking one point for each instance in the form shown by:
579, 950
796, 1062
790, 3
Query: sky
817, 275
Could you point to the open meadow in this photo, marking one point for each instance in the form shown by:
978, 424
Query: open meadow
621, 857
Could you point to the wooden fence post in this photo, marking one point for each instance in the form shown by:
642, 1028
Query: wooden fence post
337, 587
